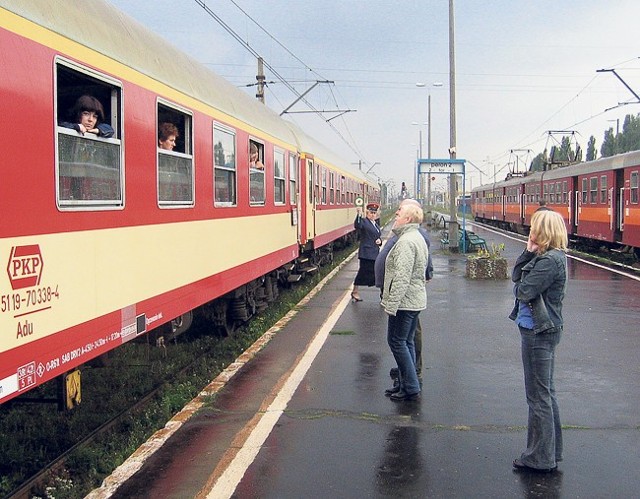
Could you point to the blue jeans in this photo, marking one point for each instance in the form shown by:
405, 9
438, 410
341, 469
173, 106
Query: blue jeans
401, 331
544, 433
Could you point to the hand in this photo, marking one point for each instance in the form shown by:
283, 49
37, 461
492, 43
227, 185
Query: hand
379, 242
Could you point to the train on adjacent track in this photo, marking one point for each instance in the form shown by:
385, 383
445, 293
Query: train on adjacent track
107, 239
598, 200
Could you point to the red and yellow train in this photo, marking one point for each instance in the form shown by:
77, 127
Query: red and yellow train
598, 200
106, 239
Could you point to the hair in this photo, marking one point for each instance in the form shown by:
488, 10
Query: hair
166, 130
87, 103
414, 212
550, 231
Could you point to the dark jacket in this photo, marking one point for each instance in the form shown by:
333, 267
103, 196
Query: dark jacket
368, 232
541, 281
379, 265
105, 130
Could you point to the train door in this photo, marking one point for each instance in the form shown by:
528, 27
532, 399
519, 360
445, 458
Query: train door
573, 205
310, 205
618, 203
296, 192
523, 202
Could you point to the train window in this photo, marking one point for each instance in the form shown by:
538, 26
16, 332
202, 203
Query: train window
224, 159
564, 191
633, 185
558, 192
603, 189
584, 190
279, 176
89, 171
593, 190
293, 178
343, 188
317, 184
332, 193
324, 185
175, 158
256, 173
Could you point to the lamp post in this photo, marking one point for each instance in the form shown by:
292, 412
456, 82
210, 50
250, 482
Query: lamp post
428, 123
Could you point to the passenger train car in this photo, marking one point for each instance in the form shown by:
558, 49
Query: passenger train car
597, 199
106, 239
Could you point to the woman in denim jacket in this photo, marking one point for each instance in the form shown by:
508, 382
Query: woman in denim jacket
540, 276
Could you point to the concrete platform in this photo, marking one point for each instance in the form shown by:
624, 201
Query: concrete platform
339, 436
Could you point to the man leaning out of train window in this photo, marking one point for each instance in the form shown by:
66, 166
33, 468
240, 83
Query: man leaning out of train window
87, 116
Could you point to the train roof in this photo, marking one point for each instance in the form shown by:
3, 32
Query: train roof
100, 26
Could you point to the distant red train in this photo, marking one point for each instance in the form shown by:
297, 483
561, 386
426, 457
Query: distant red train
105, 239
598, 200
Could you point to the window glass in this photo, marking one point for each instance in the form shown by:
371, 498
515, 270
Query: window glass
279, 176
89, 170
603, 189
256, 173
175, 158
293, 177
224, 158
584, 190
593, 191
634, 187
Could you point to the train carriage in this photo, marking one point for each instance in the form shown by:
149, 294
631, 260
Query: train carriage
598, 200
105, 239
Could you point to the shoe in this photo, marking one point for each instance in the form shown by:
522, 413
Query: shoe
355, 298
390, 391
401, 396
520, 466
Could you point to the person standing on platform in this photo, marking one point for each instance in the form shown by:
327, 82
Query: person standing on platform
379, 271
370, 242
404, 295
540, 276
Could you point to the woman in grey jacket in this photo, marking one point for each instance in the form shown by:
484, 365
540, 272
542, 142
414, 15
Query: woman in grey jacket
404, 296
540, 276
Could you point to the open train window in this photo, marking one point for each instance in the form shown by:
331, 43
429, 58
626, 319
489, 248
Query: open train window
175, 156
88, 115
256, 173
279, 180
224, 154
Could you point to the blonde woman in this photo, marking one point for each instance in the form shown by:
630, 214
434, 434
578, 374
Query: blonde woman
540, 276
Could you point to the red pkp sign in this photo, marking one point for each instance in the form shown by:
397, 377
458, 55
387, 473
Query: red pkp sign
25, 266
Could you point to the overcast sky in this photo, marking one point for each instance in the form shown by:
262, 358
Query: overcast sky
523, 68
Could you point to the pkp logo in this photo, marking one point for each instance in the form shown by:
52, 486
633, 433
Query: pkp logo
25, 266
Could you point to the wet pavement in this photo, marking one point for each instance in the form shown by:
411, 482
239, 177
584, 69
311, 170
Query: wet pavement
341, 437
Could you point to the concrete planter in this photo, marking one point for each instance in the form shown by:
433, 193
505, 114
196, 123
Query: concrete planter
486, 268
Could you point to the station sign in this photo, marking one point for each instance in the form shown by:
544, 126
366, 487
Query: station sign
450, 166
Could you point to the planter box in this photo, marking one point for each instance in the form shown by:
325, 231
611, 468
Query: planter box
487, 268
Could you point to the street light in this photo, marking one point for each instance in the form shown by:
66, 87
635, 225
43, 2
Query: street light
422, 85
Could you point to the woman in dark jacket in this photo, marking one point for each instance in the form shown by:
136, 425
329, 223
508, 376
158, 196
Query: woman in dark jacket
370, 243
540, 276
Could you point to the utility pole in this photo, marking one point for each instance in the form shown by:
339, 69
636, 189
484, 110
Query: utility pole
453, 218
260, 79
